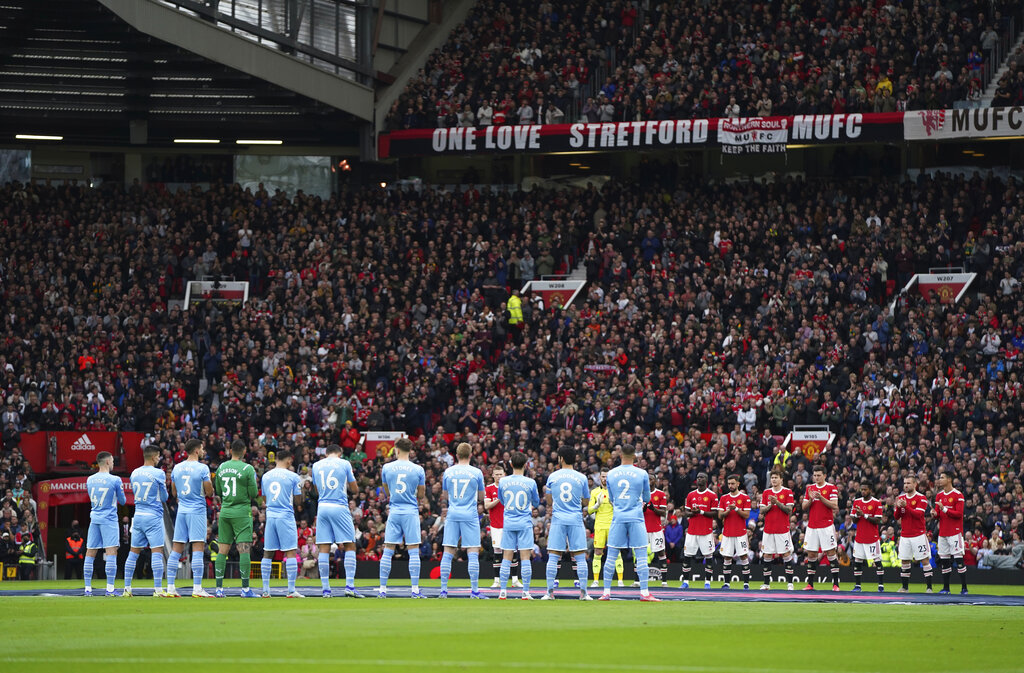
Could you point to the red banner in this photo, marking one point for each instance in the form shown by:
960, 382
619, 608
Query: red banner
131, 443
83, 447
33, 448
380, 442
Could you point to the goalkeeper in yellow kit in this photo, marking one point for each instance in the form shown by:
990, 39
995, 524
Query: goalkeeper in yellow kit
601, 507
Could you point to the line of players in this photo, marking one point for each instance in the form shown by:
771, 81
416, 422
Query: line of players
628, 495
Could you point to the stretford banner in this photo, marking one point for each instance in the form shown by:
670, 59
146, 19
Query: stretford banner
743, 133
380, 442
809, 439
555, 292
947, 288
992, 122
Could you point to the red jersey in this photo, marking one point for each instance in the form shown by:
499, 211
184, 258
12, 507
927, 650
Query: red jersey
652, 520
704, 501
497, 513
912, 515
951, 522
735, 524
867, 532
820, 516
776, 522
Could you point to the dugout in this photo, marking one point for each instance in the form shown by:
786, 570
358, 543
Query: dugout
62, 501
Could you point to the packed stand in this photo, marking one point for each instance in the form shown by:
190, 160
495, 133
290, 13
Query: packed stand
19, 527
538, 62
734, 311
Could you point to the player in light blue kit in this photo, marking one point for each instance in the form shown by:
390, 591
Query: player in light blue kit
405, 485
462, 490
568, 495
106, 492
282, 490
629, 489
519, 496
191, 485
149, 484
334, 481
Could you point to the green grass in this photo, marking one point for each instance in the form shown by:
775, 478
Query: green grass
146, 634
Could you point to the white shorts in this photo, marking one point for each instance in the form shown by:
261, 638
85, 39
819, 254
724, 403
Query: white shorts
656, 541
820, 539
951, 545
734, 546
862, 551
776, 544
914, 548
705, 544
496, 538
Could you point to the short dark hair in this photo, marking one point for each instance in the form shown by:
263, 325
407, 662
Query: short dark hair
567, 454
103, 456
403, 445
283, 454
150, 451
518, 460
819, 468
193, 445
333, 449
732, 477
948, 473
238, 448
779, 472
628, 450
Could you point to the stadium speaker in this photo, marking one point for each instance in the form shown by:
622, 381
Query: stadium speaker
138, 131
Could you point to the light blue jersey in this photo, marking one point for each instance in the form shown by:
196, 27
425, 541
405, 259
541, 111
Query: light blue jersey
279, 485
569, 490
519, 496
629, 488
464, 484
332, 475
106, 492
188, 478
403, 478
149, 484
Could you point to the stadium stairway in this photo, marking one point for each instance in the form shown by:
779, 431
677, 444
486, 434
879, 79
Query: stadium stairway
993, 84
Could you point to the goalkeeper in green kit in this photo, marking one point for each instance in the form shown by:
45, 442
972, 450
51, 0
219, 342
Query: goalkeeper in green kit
235, 485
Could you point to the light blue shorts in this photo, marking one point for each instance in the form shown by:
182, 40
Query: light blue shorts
147, 531
103, 535
517, 538
402, 528
628, 535
334, 524
190, 528
567, 537
281, 535
467, 531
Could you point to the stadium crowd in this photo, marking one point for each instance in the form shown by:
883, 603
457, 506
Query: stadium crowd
543, 62
716, 317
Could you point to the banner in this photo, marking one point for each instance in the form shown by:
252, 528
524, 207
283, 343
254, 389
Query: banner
555, 292
750, 136
83, 447
990, 122
380, 442
758, 132
946, 288
69, 491
810, 439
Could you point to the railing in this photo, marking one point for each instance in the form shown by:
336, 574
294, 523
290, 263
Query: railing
324, 33
994, 60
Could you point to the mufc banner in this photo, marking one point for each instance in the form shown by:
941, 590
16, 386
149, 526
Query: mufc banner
809, 439
991, 122
946, 288
555, 292
652, 134
380, 443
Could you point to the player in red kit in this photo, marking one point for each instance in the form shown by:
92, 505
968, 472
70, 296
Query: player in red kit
734, 508
949, 508
654, 511
496, 511
700, 532
867, 513
821, 500
776, 505
911, 508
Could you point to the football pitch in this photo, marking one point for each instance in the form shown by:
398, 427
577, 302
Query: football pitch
44, 633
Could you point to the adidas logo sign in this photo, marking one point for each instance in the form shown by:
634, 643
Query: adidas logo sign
83, 443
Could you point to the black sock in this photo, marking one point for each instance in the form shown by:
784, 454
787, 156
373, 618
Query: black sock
961, 569
687, 566
944, 569
790, 570
905, 577
858, 571
928, 575
812, 572
833, 568
726, 568
880, 572
745, 572
709, 568
766, 569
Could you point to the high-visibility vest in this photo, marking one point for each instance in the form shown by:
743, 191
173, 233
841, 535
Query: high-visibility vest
889, 556
28, 553
75, 547
515, 309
